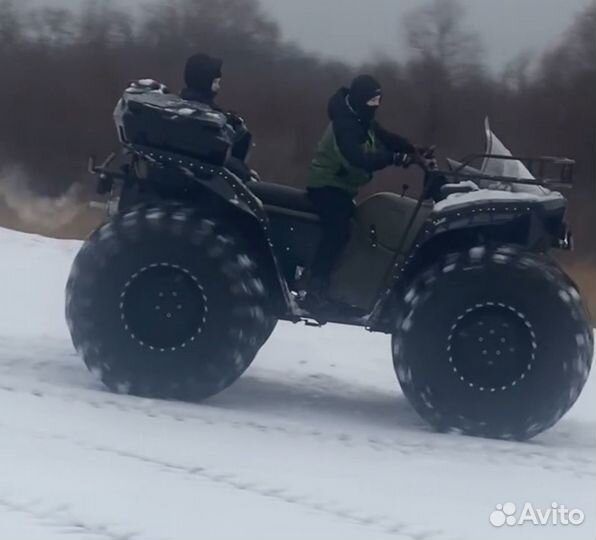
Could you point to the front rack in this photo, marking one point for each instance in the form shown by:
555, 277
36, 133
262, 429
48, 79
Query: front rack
548, 171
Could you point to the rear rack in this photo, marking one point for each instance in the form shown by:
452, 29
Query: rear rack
96, 169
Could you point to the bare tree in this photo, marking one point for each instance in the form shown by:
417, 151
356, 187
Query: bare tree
103, 25
445, 59
437, 36
52, 26
566, 96
517, 74
10, 24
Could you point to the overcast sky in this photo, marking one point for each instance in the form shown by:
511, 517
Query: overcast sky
357, 29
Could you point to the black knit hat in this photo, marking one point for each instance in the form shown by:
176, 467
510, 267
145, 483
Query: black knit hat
200, 72
363, 89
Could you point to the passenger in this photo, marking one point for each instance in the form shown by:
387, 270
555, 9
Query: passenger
203, 79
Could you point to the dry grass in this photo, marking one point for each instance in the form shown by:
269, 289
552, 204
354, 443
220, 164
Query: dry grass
84, 220
67, 216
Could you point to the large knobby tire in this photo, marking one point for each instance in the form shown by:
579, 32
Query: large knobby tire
269, 328
162, 302
493, 343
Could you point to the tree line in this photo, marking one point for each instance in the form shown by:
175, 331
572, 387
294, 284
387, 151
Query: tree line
63, 71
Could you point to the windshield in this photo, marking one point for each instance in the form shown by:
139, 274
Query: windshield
508, 168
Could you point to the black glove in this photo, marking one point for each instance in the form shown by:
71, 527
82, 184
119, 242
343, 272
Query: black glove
235, 120
403, 160
427, 152
425, 157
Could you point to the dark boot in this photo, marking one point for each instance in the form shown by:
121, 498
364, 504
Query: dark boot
316, 294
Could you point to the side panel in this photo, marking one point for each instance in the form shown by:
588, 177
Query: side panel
361, 271
377, 233
385, 217
171, 176
295, 240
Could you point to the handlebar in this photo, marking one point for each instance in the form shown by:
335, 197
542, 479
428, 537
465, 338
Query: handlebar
427, 162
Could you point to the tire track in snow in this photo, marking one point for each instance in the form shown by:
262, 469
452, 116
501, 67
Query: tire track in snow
523, 454
58, 519
577, 461
370, 522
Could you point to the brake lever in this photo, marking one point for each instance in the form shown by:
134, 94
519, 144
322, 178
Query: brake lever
426, 164
430, 152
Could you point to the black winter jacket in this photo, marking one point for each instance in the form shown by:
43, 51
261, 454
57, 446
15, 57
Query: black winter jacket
351, 133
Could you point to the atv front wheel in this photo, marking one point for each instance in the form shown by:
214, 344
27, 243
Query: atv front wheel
164, 303
493, 343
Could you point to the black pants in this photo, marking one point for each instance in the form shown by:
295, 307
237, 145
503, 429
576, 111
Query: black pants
335, 208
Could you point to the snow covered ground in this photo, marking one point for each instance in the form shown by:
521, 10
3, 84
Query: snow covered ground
315, 442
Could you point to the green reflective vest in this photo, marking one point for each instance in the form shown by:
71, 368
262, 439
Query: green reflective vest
329, 168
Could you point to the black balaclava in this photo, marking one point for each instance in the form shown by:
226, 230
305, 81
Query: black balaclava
200, 72
363, 89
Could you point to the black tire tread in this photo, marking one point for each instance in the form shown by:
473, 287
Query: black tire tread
535, 264
248, 319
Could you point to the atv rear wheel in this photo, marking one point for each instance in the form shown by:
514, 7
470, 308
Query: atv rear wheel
164, 303
268, 329
493, 343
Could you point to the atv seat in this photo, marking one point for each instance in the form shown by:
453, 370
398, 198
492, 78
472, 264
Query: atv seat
282, 197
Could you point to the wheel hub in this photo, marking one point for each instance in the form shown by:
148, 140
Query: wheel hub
492, 347
163, 307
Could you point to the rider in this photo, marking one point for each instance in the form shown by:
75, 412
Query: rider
203, 76
352, 149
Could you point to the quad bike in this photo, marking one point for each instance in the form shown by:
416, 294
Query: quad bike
176, 293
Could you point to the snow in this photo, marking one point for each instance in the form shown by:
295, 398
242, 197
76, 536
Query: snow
186, 111
316, 441
491, 195
467, 184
